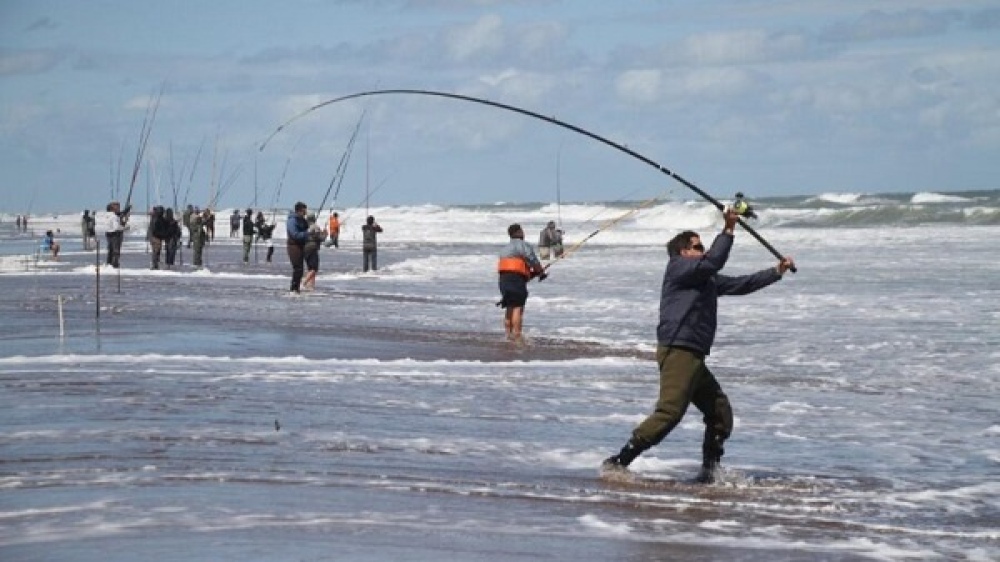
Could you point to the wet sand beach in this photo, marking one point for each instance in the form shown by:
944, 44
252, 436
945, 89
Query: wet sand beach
210, 416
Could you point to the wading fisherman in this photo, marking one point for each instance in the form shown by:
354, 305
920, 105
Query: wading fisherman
369, 244
334, 230
248, 232
517, 265
688, 306
115, 231
264, 232
548, 239
310, 253
159, 232
173, 239
85, 229
186, 221
198, 236
298, 233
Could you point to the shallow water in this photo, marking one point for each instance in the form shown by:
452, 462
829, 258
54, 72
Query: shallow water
208, 416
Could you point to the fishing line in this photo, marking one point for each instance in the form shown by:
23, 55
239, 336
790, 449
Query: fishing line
547, 119
605, 226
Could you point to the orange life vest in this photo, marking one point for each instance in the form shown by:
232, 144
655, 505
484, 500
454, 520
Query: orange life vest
514, 264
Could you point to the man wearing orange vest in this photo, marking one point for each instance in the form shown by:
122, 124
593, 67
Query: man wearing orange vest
334, 231
518, 264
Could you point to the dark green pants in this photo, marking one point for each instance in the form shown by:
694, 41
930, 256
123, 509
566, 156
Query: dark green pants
684, 380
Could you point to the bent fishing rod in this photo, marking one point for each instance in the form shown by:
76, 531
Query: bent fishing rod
621, 148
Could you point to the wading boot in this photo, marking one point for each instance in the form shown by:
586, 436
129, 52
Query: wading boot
709, 472
711, 457
620, 462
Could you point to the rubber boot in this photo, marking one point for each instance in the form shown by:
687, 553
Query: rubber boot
711, 457
629, 453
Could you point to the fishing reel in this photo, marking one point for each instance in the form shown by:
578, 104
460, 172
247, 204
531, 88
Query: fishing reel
743, 208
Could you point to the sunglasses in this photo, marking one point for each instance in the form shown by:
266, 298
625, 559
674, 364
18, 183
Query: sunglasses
698, 247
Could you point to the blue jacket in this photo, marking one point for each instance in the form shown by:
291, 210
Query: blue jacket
689, 297
297, 229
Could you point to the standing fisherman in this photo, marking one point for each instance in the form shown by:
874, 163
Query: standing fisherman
186, 221
548, 238
115, 231
264, 232
369, 244
518, 264
173, 237
85, 229
248, 232
198, 236
310, 252
159, 232
297, 230
688, 307
234, 223
334, 230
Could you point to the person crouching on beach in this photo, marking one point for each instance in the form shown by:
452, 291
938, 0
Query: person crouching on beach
50, 245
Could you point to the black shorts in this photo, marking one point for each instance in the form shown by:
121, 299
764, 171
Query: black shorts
312, 261
513, 290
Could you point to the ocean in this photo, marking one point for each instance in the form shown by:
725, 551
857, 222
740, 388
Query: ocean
208, 415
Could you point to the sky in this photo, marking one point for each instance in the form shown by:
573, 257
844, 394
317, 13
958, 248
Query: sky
770, 98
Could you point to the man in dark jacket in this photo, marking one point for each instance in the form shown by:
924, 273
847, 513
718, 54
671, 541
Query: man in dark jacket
688, 316
248, 232
159, 232
297, 230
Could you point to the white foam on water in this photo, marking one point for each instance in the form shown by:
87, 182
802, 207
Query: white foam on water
593, 523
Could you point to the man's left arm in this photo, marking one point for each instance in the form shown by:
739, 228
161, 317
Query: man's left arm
745, 284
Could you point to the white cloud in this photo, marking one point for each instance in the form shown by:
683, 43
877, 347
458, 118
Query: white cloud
484, 37
28, 62
741, 47
639, 86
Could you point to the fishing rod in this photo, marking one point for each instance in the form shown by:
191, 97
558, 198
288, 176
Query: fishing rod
194, 168
381, 184
547, 119
342, 166
277, 192
144, 133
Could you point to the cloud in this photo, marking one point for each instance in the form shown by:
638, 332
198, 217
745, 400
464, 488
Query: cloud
877, 25
485, 36
29, 62
742, 47
641, 86
42, 24
985, 19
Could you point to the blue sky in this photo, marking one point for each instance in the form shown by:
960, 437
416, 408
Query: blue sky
766, 97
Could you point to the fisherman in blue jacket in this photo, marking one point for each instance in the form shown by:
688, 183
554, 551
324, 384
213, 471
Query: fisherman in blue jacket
688, 317
298, 233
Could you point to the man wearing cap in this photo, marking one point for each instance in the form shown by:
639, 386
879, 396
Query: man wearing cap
518, 264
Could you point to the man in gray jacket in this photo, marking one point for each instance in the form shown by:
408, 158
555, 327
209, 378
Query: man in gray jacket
688, 316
